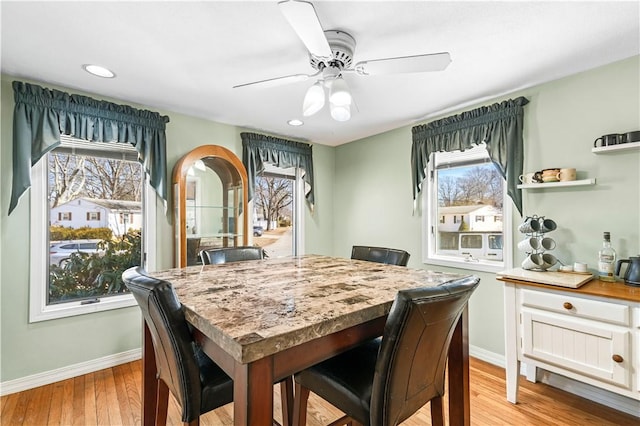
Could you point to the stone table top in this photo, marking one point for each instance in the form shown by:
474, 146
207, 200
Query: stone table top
256, 308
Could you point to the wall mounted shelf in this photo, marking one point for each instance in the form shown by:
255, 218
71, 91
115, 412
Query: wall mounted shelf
616, 148
549, 185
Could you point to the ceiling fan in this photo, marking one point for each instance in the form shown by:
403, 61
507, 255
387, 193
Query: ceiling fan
331, 55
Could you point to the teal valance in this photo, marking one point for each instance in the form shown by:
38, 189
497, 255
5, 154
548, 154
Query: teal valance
499, 126
41, 115
258, 149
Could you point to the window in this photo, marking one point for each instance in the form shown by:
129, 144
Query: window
79, 246
278, 206
464, 203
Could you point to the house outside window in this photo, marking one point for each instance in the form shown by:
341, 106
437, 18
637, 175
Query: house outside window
467, 191
79, 249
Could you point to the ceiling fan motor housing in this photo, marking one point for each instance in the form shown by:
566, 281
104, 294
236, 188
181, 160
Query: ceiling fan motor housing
342, 46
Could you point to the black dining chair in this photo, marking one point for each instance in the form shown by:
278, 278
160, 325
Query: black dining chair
196, 382
217, 256
386, 380
381, 255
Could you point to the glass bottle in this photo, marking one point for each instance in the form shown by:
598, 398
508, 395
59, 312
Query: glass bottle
606, 259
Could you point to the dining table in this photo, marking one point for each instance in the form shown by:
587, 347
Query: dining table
264, 320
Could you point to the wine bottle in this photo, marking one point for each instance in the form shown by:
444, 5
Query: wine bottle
606, 259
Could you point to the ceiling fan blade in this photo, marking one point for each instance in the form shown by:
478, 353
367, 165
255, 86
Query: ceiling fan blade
278, 81
405, 64
303, 19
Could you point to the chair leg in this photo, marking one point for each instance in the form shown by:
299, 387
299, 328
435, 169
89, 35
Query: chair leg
437, 412
162, 398
195, 422
286, 396
301, 396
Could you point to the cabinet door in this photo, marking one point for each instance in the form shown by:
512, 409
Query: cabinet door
585, 347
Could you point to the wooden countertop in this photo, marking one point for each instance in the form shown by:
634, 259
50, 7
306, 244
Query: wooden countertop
256, 308
617, 290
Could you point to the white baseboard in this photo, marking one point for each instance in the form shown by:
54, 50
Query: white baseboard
487, 356
68, 372
592, 393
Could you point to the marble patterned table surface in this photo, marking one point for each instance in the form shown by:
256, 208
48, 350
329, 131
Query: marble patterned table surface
256, 308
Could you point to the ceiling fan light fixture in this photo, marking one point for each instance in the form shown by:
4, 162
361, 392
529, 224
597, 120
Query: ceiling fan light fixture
313, 99
340, 94
340, 112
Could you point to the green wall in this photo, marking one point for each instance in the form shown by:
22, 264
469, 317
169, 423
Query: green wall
373, 198
363, 196
27, 349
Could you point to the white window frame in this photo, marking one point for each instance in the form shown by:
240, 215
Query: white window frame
39, 253
430, 220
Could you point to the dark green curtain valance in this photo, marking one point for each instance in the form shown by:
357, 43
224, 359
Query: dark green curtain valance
42, 115
259, 149
499, 126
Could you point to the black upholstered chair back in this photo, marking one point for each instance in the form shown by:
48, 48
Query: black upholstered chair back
410, 368
381, 255
172, 341
231, 254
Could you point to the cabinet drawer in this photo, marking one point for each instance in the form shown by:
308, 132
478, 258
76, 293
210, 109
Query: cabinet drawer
602, 352
613, 313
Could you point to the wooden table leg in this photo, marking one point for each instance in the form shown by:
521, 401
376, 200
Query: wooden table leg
459, 399
253, 393
149, 381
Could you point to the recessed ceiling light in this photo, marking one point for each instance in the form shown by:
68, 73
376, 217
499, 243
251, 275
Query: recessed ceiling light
99, 71
295, 122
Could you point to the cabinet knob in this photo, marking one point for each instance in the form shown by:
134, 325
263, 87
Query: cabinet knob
617, 358
567, 305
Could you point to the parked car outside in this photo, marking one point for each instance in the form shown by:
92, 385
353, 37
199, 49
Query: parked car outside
59, 252
257, 230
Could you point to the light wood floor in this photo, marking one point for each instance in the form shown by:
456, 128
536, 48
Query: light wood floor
112, 397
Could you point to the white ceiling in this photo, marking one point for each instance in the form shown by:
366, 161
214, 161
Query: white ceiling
186, 56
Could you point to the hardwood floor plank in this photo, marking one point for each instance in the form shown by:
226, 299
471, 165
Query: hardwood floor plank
57, 401
20, 409
112, 397
9, 403
38, 407
77, 406
90, 398
113, 408
119, 376
102, 411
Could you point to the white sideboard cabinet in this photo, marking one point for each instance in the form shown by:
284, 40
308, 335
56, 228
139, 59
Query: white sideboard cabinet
590, 334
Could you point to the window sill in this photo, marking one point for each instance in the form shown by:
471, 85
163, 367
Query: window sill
63, 310
481, 266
